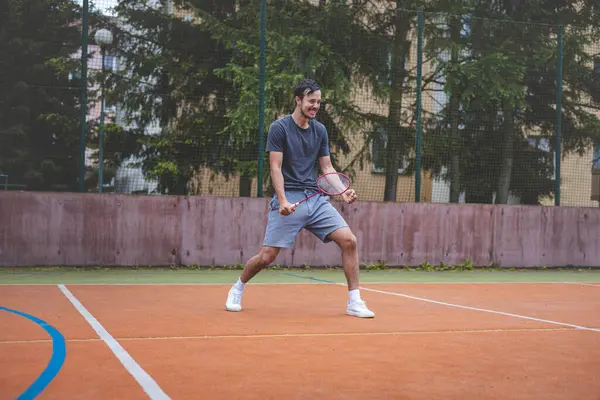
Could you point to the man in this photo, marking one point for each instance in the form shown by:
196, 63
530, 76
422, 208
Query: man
295, 143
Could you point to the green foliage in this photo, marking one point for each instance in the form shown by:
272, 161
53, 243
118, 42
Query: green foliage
378, 266
502, 73
39, 100
174, 103
426, 266
205, 108
236, 267
189, 89
302, 41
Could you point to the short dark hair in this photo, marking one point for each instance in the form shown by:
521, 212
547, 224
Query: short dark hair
306, 86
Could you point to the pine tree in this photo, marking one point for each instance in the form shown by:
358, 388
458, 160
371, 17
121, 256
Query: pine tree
503, 76
39, 94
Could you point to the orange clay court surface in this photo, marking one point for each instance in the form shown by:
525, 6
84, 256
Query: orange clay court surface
159, 335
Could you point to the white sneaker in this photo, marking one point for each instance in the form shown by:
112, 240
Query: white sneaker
234, 300
358, 308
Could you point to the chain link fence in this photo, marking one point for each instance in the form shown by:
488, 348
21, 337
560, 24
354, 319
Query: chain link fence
443, 103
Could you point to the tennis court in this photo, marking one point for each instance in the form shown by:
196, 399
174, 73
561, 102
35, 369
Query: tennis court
165, 334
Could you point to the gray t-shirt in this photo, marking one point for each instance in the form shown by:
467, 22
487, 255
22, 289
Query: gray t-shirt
301, 150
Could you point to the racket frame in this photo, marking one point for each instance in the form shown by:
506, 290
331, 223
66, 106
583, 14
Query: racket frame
322, 191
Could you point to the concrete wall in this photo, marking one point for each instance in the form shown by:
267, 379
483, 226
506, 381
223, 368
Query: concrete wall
109, 229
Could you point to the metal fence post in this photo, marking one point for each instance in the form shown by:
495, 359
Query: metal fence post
84, 56
419, 84
558, 127
261, 95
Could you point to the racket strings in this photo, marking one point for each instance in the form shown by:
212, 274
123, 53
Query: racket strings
333, 184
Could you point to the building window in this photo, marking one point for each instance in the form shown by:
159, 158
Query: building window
545, 145
595, 89
596, 160
540, 143
110, 63
386, 60
379, 144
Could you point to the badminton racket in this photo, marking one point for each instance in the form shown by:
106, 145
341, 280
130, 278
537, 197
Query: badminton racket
331, 184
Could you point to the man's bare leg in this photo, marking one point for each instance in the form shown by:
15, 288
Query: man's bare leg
253, 266
346, 240
256, 263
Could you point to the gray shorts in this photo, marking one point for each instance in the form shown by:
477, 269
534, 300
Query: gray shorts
316, 214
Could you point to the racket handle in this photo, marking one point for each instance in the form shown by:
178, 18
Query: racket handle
303, 200
298, 203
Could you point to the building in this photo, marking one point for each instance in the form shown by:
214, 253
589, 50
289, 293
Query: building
580, 183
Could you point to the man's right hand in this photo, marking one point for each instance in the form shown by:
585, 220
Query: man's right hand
286, 208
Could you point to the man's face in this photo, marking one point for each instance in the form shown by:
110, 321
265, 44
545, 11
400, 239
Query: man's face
310, 104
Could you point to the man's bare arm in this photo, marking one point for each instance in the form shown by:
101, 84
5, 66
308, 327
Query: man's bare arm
326, 167
325, 164
276, 160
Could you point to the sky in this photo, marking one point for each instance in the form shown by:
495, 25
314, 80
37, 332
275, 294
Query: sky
102, 5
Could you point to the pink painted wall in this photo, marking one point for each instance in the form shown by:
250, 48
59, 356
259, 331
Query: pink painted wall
75, 229
109, 229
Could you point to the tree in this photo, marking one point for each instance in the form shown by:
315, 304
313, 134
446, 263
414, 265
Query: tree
504, 79
200, 80
391, 27
167, 83
303, 40
39, 98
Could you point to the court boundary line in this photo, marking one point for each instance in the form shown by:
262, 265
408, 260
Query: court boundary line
308, 334
456, 305
548, 321
345, 334
148, 384
57, 359
593, 284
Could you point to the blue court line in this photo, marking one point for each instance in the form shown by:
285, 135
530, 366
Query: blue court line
307, 277
59, 352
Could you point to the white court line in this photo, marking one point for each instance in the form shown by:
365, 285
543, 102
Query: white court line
306, 283
478, 309
450, 282
584, 284
229, 284
144, 380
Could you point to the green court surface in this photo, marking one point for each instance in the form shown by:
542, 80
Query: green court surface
219, 276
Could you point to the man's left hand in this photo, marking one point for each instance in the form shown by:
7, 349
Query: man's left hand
349, 196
